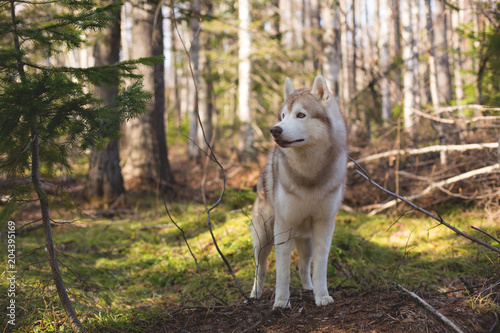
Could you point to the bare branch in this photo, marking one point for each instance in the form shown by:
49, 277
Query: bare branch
487, 234
456, 120
427, 307
430, 149
438, 218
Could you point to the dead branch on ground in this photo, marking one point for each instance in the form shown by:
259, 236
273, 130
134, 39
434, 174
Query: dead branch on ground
430, 149
433, 312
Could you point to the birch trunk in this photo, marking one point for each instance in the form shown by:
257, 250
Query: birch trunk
205, 89
383, 46
396, 26
344, 58
244, 67
330, 46
194, 51
409, 79
432, 56
457, 57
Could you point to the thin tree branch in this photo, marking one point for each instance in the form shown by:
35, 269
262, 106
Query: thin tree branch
487, 234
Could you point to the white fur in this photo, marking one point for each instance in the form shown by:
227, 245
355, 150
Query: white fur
288, 214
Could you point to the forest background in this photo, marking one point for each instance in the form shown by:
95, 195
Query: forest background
418, 83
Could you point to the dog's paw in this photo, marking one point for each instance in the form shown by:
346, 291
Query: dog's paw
283, 304
323, 300
255, 294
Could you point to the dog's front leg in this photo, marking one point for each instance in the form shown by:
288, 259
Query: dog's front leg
283, 249
322, 236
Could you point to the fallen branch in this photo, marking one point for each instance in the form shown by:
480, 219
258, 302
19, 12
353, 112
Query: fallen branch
430, 149
433, 312
461, 120
437, 185
464, 107
438, 218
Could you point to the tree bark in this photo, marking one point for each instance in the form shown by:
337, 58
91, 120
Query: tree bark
383, 45
433, 80
104, 177
145, 152
244, 114
441, 52
75, 323
205, 96
397, 48
457, 56
344, 51
330, 46
410, 63
194, 55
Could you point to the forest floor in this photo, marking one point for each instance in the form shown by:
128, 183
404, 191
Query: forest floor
360, 311
128, 268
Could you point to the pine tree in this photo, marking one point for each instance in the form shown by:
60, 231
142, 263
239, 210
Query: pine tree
47, 111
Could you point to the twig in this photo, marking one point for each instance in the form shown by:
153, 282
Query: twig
435, 313
438, 218
487, 234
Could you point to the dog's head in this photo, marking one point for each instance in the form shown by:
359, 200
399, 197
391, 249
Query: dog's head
306, 117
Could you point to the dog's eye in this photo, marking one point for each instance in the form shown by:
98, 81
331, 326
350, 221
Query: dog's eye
282, 116
301, 115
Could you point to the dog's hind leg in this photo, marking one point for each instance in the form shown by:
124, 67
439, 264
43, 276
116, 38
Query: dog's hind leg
263, 240
262, 249
304, 248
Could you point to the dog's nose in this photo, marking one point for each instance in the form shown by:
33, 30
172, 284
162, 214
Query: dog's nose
276, 131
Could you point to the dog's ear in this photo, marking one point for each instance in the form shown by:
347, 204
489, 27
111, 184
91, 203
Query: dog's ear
320, 89
289, 89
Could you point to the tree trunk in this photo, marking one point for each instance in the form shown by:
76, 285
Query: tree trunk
330, 46
285, 24
75, 323
344, 51
315, 41
105, 178
145, 145
383, 45
205, 96
244, 114
165, 174
457, 57
409, 69
194, 55
441, 52
432, 57
397, 48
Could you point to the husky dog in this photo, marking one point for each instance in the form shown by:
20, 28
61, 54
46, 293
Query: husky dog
300, 190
